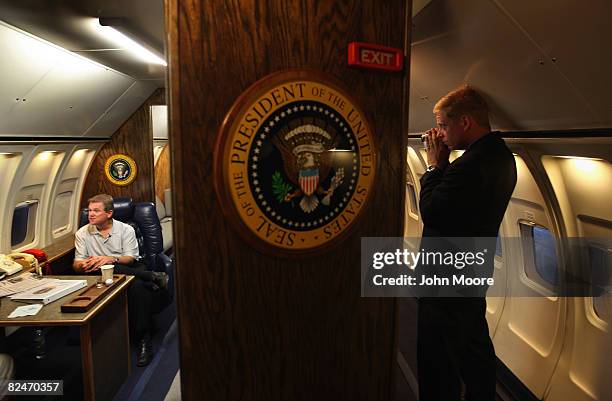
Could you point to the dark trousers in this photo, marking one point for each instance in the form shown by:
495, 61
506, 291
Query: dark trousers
453, 345
143, 299
138, 270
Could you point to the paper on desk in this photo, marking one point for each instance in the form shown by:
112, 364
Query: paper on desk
27, 310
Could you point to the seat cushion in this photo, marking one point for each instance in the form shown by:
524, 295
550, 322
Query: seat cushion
166, 226
161, 209
168, 201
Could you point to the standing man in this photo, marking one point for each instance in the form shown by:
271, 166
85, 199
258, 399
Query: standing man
106, 241
465, 198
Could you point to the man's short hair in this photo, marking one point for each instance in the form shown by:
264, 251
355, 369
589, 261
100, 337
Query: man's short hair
464, 100
104, 199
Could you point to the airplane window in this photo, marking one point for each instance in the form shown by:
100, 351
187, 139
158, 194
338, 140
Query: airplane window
545, 256
61, 213
413, 199
23, 225
601, 262
539, 253
498, 247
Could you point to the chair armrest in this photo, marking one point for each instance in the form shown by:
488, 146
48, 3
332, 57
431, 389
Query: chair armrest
164, 263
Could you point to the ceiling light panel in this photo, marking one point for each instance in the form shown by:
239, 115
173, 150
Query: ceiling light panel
124, 42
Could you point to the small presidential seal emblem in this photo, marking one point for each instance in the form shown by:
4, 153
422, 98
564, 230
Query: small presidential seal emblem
295, 162
120, 169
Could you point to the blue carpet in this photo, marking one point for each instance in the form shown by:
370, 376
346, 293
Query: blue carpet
165, 366
157, 375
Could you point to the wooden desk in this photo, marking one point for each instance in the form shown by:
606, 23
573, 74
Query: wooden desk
105, 341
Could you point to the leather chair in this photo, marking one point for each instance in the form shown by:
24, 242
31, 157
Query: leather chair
143, 218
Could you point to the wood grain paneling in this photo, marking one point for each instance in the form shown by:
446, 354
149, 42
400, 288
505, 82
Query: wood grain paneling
162, 173
135, 139
255, 327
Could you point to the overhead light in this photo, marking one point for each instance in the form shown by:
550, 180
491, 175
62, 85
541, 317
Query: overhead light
127, 43
585, 164
80, 153
46, 154
580, 158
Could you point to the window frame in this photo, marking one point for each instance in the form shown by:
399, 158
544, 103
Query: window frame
530, 269
31, 222
606, 314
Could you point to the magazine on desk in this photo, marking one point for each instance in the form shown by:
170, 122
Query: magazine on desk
49, 292
21, 283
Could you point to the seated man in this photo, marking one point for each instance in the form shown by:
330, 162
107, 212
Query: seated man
107, 241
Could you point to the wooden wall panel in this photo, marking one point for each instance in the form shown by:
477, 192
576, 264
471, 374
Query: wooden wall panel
135, 139
162, 173
254, 327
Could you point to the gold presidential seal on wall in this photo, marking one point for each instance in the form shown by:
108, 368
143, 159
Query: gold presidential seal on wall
295, 163
120, 169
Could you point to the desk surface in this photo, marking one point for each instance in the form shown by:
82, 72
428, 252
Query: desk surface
51, 314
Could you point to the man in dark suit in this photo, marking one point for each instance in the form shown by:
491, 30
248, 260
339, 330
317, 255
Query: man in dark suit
465, 198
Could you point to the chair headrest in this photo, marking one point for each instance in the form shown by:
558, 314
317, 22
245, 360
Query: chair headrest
123, 209
145, 216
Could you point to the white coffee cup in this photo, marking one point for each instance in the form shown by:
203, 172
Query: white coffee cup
107, 272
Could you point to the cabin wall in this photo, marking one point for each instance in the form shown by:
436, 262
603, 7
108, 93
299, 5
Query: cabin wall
44, 181
134, 139
261, 327
162, 173
556, 345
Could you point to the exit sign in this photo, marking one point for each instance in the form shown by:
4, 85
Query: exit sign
375, 57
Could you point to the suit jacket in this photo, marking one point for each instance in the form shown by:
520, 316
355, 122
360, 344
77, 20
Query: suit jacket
469, 198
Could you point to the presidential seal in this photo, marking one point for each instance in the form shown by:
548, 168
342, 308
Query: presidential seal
295, 163
120, 169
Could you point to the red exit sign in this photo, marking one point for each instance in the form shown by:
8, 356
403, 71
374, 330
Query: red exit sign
375, 57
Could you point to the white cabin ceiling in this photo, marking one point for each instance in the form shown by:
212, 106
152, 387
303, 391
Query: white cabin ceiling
544, 65
59, 76
68, 23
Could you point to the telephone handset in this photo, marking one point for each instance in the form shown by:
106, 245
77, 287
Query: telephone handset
15, 262
30, 260
8, 265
